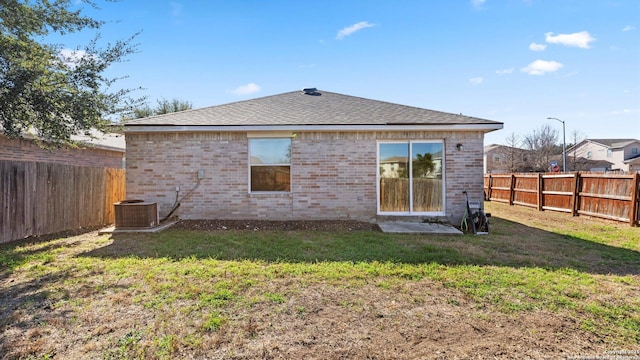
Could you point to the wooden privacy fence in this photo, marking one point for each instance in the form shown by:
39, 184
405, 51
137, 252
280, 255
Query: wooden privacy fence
394, 194
45, 198
603, 195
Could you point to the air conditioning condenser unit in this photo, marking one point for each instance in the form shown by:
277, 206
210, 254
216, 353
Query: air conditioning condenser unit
136, 214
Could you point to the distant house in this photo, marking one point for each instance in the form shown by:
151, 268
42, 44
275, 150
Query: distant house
103, 150
307, 155
394, 166
583, 164
596, 154
499, 159
398, 166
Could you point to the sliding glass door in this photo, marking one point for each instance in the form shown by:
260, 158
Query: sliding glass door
410, 177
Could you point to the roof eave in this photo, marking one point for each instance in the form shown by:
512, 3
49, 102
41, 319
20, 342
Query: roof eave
131, 129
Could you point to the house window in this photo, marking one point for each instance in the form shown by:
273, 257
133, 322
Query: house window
634, 151
609, 153
589, 154
415, 185
270, 165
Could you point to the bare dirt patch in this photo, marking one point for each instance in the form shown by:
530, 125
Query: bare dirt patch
297, 225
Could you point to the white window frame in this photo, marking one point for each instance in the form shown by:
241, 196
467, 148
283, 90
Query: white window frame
410, 157
267, 137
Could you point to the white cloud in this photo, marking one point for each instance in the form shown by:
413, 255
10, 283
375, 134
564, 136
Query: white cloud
246, 89
476, 80
504, 71
628, 28
353, 28
579, 39
540, 67
537, 47
72, 57
478, 3
625, 111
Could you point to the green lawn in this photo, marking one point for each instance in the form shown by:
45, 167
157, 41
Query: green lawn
193, 293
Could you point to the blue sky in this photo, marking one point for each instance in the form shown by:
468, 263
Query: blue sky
514, 61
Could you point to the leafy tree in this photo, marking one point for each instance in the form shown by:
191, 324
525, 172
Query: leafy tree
164, 107
141, 112
423, 165
46, 89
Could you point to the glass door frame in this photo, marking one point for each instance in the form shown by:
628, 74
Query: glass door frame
410, 170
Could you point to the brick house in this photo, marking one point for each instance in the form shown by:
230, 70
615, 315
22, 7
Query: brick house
104, 150
500, 159
307, 155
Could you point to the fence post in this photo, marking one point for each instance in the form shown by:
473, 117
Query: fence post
574, 197
489, 189
540, 197
633, 214
511, 187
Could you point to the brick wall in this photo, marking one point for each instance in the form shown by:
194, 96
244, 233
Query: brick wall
28, 150
333, 174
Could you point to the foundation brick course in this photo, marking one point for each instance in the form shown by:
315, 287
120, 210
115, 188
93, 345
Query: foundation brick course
333, 174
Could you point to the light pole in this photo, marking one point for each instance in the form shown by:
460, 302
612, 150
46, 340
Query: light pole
564, 145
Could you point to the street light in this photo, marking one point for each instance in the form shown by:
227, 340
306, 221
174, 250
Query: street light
564, 145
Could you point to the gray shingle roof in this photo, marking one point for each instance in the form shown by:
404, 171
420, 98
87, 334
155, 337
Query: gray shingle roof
613, 143
298, 108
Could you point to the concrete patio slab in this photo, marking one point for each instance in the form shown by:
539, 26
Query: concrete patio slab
113, 230
408, 227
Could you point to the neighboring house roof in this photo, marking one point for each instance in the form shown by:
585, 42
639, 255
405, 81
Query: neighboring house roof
634, 159
594, 163
318, 109
581, 162
488, 148
609, 143
256, 160
491, 147
394, 159
614, 143
96, 139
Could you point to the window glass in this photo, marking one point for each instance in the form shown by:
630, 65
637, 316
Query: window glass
394, 177
271, 178
270, 151
426, 168
634, 151
270, 164
410, 186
